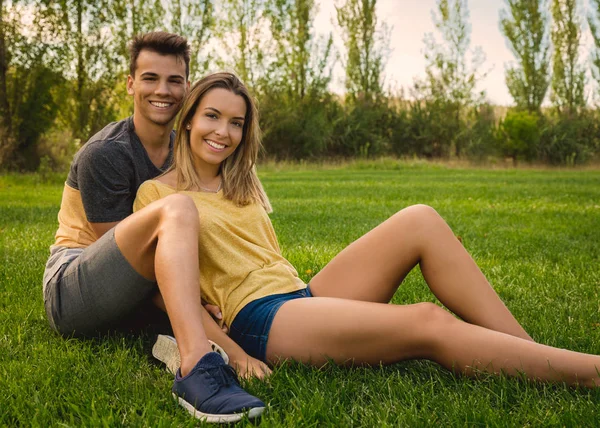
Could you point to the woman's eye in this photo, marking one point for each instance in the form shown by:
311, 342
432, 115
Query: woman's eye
211, 115
238, 124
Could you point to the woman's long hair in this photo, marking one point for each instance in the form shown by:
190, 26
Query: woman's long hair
238, 172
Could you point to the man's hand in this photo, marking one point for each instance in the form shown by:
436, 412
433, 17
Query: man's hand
216, 314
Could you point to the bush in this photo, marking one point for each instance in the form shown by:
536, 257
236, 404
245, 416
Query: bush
483, 141
56, 149
570, 139
433, 128
297, 130
364, 130
519, 135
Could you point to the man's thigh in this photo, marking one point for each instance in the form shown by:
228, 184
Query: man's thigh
96, 290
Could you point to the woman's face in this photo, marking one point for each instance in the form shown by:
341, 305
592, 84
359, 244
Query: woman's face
217, 126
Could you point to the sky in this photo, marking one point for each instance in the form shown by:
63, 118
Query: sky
410, 20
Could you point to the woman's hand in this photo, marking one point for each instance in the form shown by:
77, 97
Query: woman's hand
247, 367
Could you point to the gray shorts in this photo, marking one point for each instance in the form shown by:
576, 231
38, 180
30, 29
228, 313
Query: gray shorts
89, 290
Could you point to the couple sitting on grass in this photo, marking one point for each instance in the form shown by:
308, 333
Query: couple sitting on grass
201, 230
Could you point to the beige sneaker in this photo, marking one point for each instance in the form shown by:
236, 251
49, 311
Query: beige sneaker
165, 350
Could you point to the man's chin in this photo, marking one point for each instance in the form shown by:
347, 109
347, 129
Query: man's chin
163, 121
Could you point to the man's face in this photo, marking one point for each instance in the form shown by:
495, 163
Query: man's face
158, 88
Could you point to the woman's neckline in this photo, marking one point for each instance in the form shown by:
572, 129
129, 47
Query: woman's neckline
191, 191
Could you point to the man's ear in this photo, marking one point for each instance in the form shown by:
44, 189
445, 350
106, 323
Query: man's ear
189, 84
130, 85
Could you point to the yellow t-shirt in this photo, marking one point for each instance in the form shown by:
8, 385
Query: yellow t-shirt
240, 259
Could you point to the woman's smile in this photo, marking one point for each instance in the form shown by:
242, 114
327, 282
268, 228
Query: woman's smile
216, 129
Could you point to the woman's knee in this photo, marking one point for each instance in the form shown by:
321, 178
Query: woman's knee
420, 213
432, 323
180, 210
418, 221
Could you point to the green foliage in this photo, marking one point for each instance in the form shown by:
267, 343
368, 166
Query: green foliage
432, 128
568, 75
520, 135
482, 142
195, 20
594, 23
240, 30
30, 84
365, 130
63, 75
303, 64
525, 25
570, 139
449, 88
297, 129
366, 49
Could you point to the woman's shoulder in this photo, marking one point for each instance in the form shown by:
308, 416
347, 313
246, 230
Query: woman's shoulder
169, 179
155, 186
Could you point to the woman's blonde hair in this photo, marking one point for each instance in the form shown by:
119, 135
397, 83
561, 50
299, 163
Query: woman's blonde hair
240, 182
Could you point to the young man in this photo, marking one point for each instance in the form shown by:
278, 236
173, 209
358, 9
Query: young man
106, 261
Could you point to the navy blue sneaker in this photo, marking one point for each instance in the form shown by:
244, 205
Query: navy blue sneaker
211, 392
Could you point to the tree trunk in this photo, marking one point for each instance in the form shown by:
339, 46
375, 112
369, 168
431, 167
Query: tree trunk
5, 113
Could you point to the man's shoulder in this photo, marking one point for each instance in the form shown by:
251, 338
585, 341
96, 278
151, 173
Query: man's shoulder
114, 140
110, 146
114, 136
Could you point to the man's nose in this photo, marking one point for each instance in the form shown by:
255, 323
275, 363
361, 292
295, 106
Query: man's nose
162, 88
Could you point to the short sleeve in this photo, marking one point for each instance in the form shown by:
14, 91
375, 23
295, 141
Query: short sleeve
105, 176
146, 194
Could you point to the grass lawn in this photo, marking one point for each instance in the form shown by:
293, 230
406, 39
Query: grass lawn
534, 233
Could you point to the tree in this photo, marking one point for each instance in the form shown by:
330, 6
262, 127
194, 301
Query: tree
302, 63
5, 112
568, 75
366, 48
28, 82
242, 31
525, 25
195, 20
450, 81
295, 103
594, 22
84, 43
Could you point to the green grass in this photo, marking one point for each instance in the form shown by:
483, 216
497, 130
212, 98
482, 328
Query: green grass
535, 234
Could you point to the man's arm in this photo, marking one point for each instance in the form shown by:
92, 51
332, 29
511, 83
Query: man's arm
101, 228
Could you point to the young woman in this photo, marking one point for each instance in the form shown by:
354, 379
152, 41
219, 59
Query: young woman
344, 314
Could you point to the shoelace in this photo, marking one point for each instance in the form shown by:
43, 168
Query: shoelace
225, 373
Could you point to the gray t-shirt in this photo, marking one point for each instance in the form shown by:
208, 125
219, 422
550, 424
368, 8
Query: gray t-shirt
108, 170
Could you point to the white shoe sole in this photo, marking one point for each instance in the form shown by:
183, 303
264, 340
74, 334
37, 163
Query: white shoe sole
165, 350
219, 419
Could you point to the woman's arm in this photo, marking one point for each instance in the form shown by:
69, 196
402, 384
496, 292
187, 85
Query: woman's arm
244, 364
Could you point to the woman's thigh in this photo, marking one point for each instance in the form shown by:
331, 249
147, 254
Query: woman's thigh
372, 267
318, 329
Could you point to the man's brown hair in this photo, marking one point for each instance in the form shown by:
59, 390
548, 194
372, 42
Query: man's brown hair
162, 43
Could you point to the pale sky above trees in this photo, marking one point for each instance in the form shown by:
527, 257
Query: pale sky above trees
411, 19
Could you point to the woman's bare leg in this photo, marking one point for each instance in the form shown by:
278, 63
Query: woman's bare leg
372, 268
160, 242
245, 365
315, 330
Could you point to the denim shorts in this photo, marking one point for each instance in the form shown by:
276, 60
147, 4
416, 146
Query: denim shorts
251, 326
